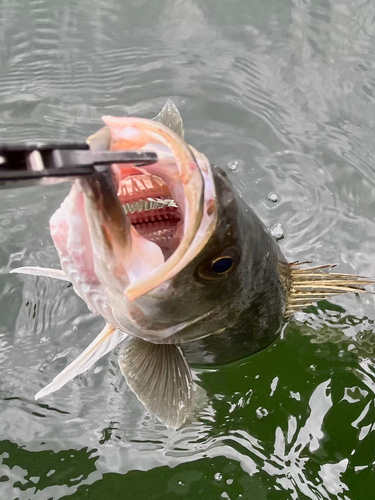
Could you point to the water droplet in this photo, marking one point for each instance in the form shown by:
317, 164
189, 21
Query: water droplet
278, 231
261, 412
235, 165
218, 476
273, 197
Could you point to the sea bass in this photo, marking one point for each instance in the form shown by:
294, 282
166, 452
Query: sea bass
180, 268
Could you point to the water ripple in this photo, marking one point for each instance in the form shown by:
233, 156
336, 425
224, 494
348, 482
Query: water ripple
286, 90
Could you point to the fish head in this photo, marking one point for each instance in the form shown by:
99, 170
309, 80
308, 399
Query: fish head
232, 282
157, 250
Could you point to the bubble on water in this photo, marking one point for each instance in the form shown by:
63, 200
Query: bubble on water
181, 483
235, 165
229, 481
218, 476
273, 197
261, 412
75, 328
295, 395
278, 231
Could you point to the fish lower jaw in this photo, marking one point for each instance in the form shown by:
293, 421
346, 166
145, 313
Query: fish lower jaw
159, 232
158, 215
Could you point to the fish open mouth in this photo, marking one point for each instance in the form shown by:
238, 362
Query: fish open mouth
151, 209
164, 202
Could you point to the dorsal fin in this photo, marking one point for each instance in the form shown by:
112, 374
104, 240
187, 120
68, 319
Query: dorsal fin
171, 118
308, 285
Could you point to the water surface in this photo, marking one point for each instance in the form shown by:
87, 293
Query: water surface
280, 93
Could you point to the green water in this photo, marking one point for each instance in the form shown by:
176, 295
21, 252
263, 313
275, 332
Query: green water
282, 90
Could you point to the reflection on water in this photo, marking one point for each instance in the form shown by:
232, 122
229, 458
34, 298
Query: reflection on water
291, 421
283, 90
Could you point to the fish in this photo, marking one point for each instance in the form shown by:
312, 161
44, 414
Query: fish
183, 272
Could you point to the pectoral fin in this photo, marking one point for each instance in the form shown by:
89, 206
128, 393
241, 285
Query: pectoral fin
41, 271
107, 340
160, 377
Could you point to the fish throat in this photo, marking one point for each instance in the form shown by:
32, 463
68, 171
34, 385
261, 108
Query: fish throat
151, 209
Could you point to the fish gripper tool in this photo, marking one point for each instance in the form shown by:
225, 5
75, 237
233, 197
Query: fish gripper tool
31, 164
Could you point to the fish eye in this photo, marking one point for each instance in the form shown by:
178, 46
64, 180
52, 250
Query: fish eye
222, 265
219, 267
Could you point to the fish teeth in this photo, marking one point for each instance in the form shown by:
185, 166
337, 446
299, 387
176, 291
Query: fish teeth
148, 204
160, 202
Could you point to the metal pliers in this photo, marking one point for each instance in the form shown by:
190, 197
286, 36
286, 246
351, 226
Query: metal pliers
25, 165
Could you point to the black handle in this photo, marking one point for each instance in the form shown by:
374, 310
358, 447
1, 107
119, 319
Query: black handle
32, 162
